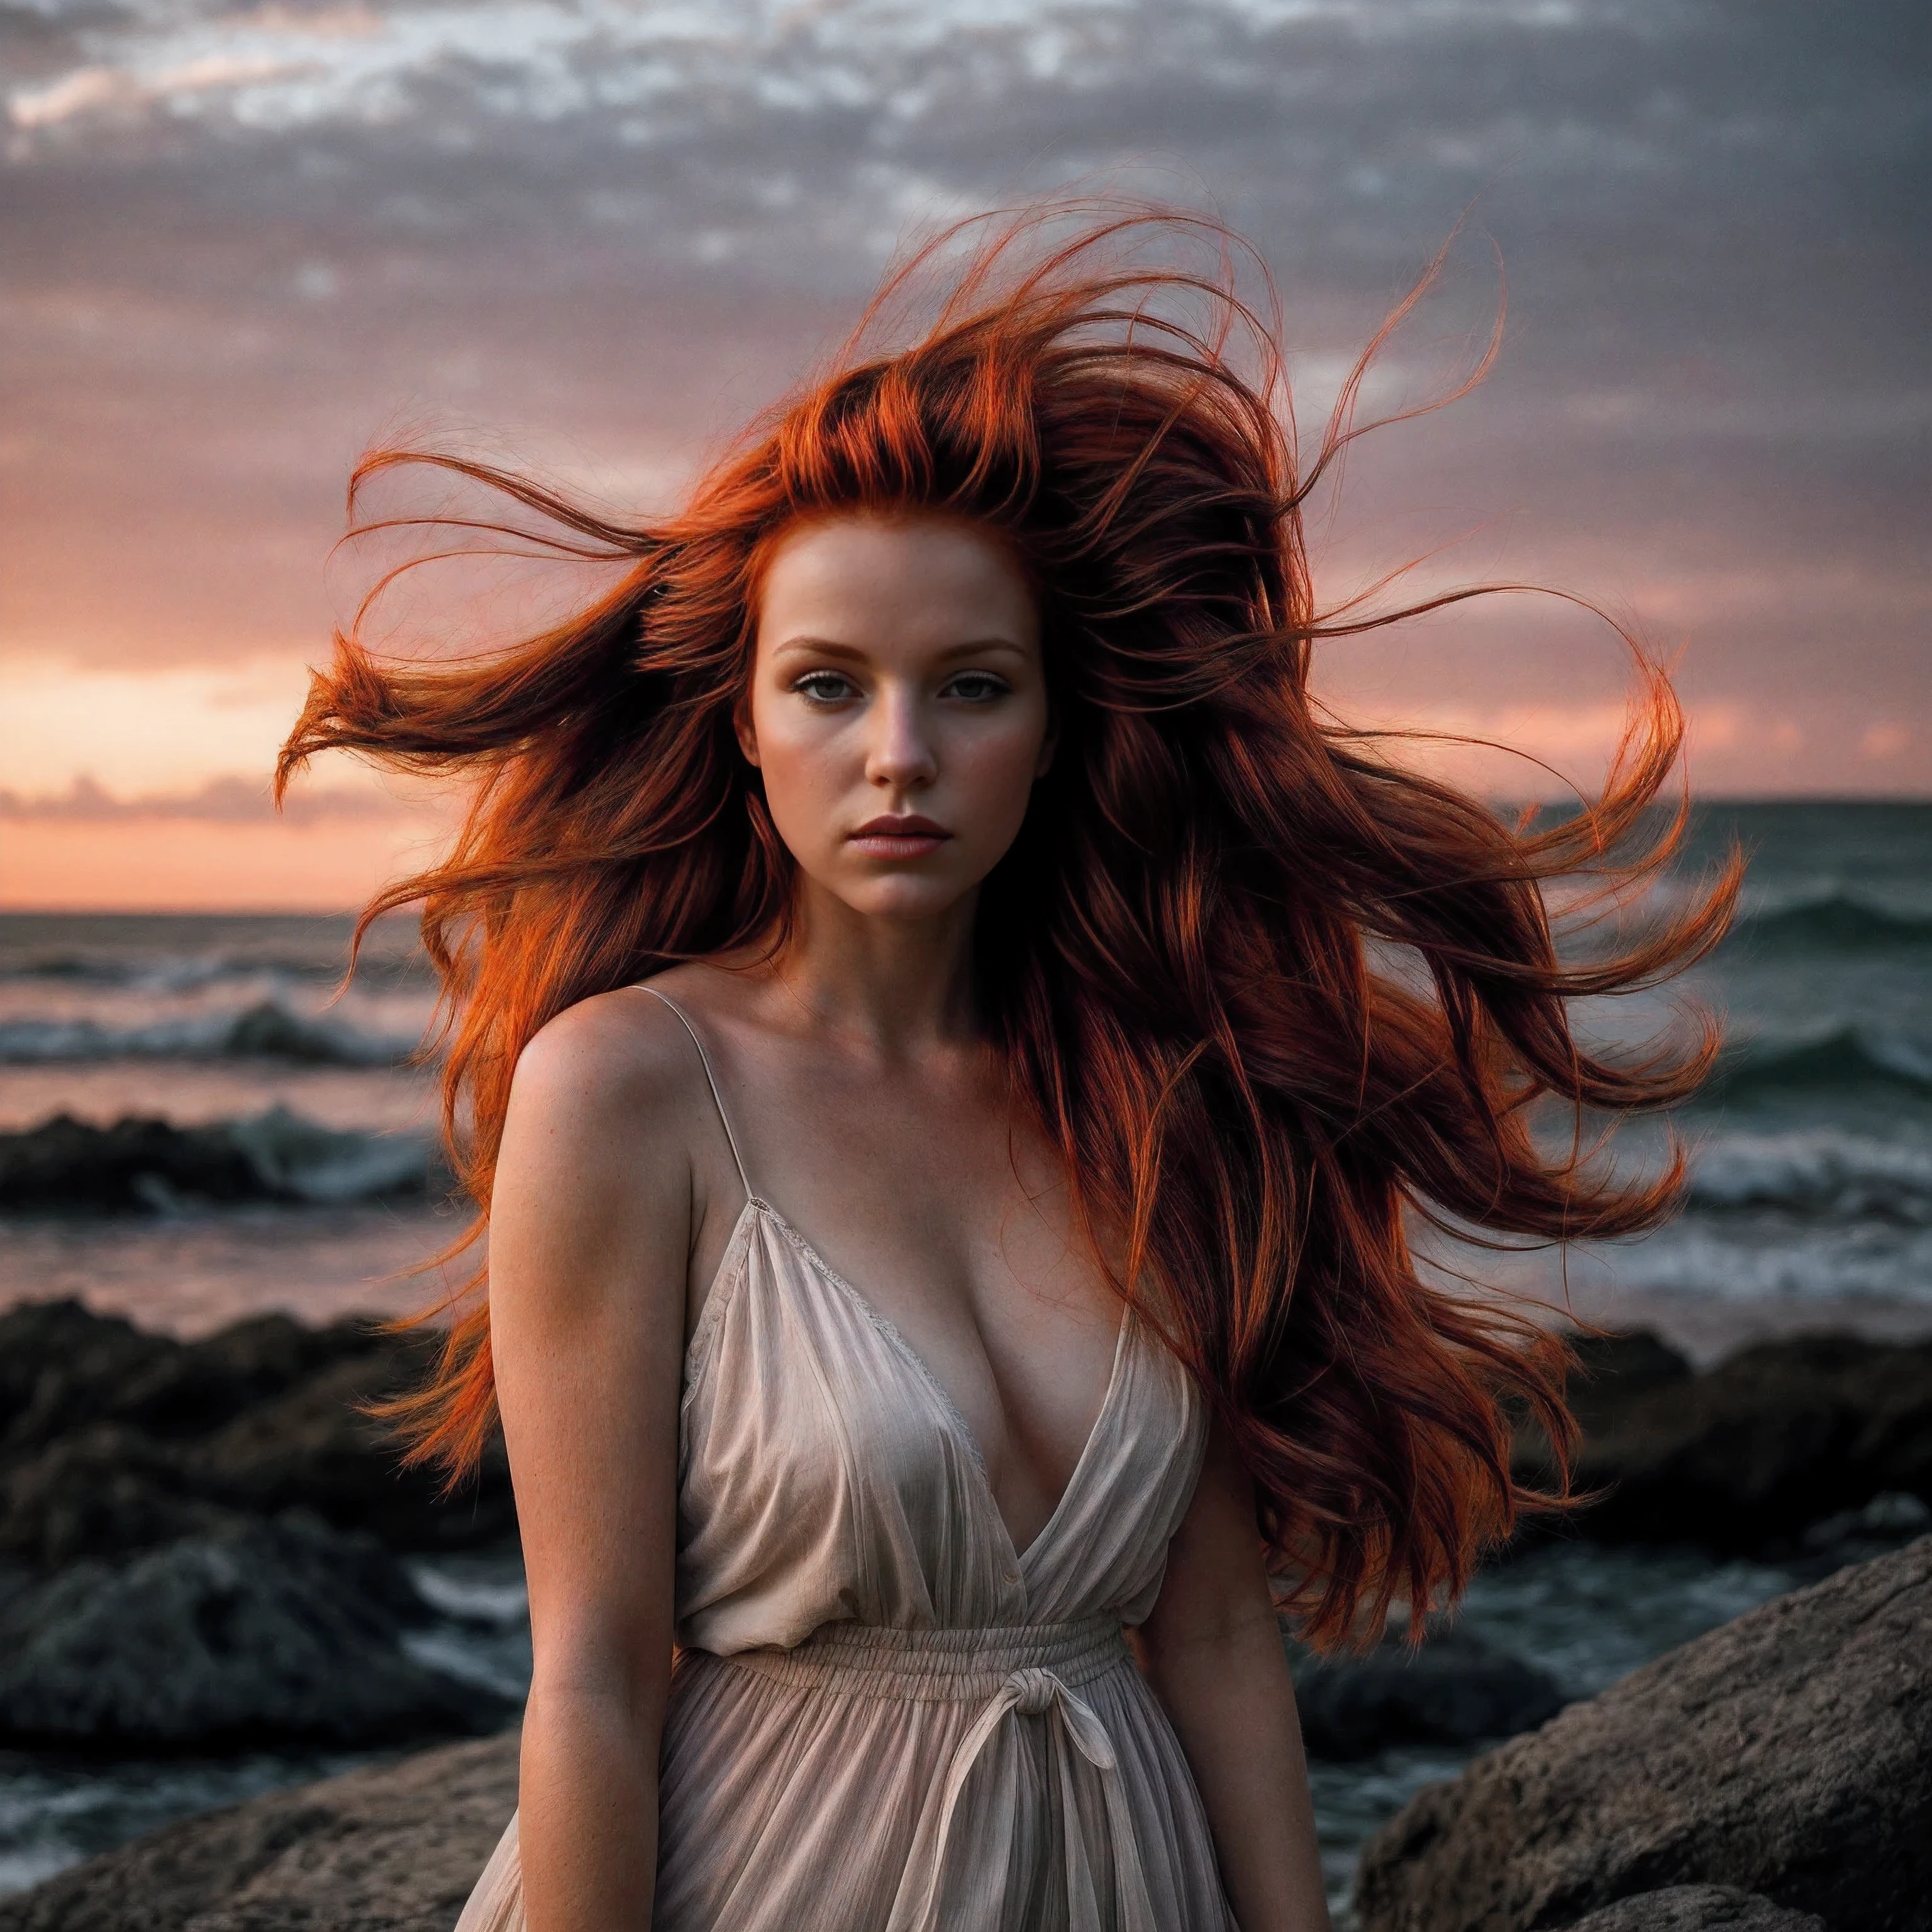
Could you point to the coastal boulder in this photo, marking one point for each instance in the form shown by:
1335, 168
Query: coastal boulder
1454, 1690
60, 1363
196, 1387
137, 1162
1788, 1754
102, 1492
395, 1848
143, 1163
1612, 1370
1745, 1458
113, 1441
314, 1448
257, 1631
63, 1367
1699, 1908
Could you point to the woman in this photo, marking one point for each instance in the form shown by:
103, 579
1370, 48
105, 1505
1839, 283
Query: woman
945, 1139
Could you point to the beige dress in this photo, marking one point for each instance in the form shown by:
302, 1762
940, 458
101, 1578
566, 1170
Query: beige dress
883, 1717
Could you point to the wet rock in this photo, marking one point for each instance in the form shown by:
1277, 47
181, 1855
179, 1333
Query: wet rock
1454, 1690
59, 1365
141, 1163
136, 1162
1788, 1754
285, 1629
112, 1440
314, 1449
1613, 1368
394, 1849
1745, 1459
62, 1366
1699, 1908
102, 1492
195, 1386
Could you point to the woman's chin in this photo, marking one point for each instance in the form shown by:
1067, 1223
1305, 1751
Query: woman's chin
905, 897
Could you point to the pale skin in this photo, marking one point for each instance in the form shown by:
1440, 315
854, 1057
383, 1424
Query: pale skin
897, 675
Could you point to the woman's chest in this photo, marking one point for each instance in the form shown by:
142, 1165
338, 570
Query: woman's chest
823, 1461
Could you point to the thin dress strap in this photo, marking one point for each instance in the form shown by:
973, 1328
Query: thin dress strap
710, 1080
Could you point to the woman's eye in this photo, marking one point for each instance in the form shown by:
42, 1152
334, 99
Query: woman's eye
978, 687
824, 687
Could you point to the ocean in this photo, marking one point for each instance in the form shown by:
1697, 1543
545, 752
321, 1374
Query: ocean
1810, 1195
1810, 1205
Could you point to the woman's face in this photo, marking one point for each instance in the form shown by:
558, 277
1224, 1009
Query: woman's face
898, 707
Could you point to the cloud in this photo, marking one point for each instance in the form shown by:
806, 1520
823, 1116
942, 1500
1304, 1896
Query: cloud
228, 800
247, 237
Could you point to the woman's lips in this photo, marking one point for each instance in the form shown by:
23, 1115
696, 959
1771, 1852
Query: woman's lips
909, 837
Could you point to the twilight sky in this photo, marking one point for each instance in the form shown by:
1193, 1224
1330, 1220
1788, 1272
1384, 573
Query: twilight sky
241, 244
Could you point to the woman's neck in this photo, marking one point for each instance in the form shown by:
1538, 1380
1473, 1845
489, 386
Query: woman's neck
894, 987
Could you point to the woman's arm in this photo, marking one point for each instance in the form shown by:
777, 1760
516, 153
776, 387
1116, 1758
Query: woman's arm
589, 1238
1214, 1655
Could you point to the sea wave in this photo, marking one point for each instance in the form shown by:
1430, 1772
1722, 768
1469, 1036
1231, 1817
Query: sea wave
1747, 1259
147, 1163
164, 975
268, 1029
193, 973
1844, 1057
1821, 1175
1834, 921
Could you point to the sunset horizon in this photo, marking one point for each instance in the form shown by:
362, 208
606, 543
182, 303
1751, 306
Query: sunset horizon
246, 247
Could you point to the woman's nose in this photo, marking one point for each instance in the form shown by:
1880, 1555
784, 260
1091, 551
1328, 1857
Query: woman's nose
900, 755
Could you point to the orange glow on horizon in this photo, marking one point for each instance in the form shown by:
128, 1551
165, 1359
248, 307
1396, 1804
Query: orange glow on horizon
139, 865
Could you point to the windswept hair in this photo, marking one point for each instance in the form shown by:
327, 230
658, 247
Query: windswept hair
1274, 997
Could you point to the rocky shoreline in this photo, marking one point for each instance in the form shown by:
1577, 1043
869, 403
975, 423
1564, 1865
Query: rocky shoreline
1774, 1776
142, 1164
1774, 1445
201, 1543
1785, 1758
206, 1544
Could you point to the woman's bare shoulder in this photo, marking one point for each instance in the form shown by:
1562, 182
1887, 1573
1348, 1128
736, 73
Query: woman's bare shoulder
619, 1061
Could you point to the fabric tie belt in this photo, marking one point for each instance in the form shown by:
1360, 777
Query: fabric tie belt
1033, 1670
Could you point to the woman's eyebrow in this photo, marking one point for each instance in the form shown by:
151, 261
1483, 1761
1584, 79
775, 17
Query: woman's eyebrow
853, 653
820, 647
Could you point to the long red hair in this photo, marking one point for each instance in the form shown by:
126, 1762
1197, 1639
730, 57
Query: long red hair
1269, 993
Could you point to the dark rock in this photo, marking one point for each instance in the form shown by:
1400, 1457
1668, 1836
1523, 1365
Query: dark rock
137, 1162
1454, 1690
62, 1366
285, 1629
392, 1849
1746, 1458
102, 1492
1613, 1368
1699, 1908
273, 1033
112, 1440
312, 1449
59, 1364
143, 1163
1611, 1371
197, 1386
1788, 1753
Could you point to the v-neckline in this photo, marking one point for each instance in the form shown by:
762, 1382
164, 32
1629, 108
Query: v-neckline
949, 1410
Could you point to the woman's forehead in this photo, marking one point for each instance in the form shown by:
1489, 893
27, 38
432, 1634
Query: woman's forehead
859, 577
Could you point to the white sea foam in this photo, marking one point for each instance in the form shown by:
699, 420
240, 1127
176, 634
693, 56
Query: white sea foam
1820, 1172
268, 1029
300, 1161
1738, 1259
